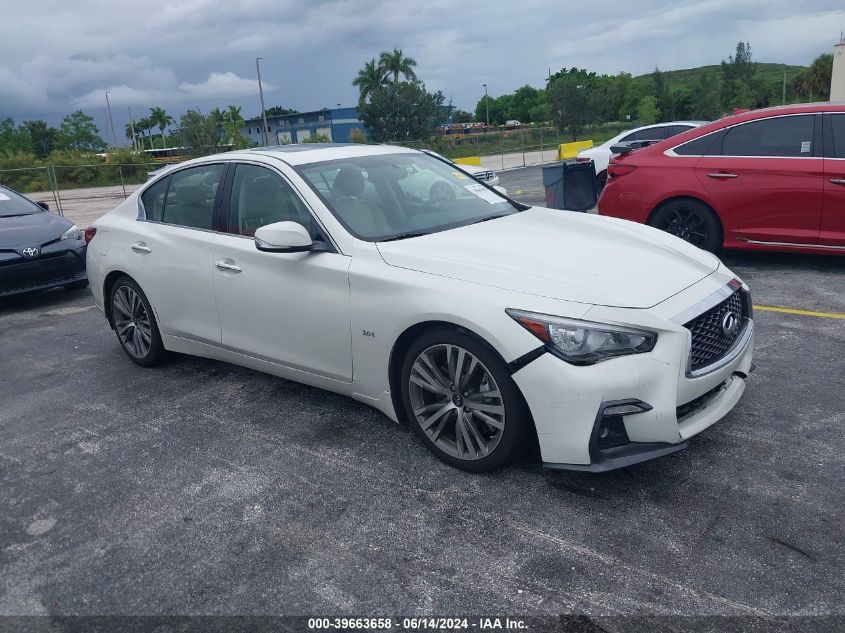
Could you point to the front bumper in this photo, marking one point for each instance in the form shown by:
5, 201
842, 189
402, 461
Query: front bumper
567, 402
50, 269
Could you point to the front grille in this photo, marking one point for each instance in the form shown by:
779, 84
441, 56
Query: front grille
484, 175
709, 340
47, 270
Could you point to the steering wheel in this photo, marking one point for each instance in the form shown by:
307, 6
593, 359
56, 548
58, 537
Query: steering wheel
439, 191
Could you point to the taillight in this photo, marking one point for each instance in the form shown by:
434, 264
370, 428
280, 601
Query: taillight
90, 232
614, 170
582, 159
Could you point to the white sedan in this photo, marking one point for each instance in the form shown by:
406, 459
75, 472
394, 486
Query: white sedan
601, 154
384, 274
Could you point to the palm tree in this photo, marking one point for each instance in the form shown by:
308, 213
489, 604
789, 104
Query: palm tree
132, 133
160, 118
368, 79
395, 63
232, 122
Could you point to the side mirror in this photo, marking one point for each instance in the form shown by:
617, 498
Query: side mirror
283, 237
500, 189
286, 237
43, 205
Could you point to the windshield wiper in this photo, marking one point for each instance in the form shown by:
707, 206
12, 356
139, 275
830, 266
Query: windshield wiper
404, 236
492, 217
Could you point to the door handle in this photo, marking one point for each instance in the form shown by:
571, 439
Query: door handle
140, 247
838, 181
227, 265
721, 175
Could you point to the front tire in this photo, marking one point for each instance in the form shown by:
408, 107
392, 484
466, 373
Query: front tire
459, 398
692, 221
135, 324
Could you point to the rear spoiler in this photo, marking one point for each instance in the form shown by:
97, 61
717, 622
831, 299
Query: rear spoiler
630, 146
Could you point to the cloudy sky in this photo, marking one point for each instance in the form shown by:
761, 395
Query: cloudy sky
58, 56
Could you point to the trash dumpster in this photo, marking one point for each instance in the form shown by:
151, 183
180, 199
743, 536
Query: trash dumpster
570, 184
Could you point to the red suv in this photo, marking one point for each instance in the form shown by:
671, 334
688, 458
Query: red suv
771, 179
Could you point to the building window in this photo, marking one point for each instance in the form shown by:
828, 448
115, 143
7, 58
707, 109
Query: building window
321, 118
301, 120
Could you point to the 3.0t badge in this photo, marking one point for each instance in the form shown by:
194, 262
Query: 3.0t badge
30, 251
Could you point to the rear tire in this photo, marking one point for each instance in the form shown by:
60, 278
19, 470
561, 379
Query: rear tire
692, 221
459, 398
135, 324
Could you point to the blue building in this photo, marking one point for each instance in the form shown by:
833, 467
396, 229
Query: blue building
335, 123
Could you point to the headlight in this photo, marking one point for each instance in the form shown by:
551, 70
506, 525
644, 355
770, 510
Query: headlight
582, 342
73, 233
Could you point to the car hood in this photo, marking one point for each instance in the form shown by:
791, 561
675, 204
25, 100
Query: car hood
31, 230
561, 255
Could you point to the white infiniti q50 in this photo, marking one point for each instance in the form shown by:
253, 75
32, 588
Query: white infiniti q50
387, 275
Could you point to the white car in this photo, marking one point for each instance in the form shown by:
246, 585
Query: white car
481, 322
487, 176
601, 154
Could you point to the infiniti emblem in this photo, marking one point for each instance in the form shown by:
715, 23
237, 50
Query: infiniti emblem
30, 251
730, 324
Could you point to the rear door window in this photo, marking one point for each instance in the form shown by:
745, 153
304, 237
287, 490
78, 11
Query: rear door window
191, 195
787, 136
153, 199
837, 125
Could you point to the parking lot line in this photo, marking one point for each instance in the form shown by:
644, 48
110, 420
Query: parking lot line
823, 315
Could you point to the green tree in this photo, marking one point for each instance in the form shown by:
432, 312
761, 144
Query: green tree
647, 110
200, 134
368, 79
571, 100
681, 104
79, 133
42, 137
737, 74
660, 90
395, 63
160, 118
14, 140
523, 101
705, 97
279, 111
402, 111
461, 116
232, 121
814, 83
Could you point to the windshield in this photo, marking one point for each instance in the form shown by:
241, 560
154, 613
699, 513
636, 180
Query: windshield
402, 195
12, 204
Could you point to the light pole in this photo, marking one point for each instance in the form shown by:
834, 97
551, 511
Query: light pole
111, 126
261, 95
487, 104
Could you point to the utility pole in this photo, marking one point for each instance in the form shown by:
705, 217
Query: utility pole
487, 104
134, 134
784, 88
111, 125
264, 134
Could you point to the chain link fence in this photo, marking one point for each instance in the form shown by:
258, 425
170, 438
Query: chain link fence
81, 193
519, 147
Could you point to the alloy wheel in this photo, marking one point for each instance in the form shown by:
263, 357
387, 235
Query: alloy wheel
688, 224
456, 402
132, 322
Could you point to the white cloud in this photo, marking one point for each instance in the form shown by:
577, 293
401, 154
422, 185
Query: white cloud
222, 86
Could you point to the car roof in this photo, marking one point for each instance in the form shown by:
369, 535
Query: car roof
305, 153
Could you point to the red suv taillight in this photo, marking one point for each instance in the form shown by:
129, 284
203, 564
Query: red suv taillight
614, 170
90, 232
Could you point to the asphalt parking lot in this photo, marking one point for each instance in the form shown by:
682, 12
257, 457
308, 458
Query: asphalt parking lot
204, 488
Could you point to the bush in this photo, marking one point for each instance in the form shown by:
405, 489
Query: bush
357, 136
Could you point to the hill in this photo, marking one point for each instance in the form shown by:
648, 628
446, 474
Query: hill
768, 74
